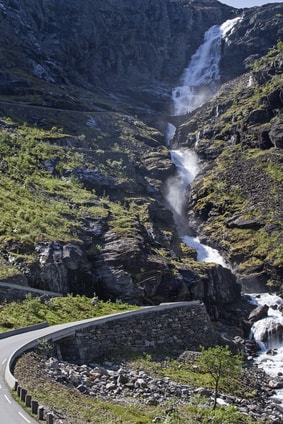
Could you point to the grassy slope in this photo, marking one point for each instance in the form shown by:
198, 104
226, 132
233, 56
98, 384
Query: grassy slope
58, 310
39, 205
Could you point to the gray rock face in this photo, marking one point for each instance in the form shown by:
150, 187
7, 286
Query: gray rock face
135, 45
114, 43
249, 39
127, 269
276, 135
64, 268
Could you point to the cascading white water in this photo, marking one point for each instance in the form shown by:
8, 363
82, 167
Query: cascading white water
199, 82
197, 87
186, 162
268, 332
203, 71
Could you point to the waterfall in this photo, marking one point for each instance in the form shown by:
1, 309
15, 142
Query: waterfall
199, 82
200, 77
202, 71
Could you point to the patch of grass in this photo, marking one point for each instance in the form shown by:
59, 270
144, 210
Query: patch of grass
27, 217
36, 204
79, 409
58, 310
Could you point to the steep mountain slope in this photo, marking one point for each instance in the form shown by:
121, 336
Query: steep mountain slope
126, 45
237, 201
84, 97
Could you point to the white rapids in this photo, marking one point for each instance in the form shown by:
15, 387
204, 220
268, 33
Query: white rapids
268, 333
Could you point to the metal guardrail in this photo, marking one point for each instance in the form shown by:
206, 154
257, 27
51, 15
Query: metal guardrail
23, 330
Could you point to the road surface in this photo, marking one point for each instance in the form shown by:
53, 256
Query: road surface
10, 411
12, 347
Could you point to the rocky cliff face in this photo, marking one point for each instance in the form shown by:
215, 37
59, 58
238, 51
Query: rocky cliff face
82, 170
130, 46
259, 29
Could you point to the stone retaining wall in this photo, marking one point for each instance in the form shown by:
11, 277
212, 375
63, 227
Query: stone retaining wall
168, 327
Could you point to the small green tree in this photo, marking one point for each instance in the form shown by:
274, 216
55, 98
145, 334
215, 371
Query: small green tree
221, 365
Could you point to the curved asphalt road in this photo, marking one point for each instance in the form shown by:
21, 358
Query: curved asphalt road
12, 347
10, 411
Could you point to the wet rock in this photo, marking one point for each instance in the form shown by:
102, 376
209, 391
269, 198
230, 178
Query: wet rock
258, 313
275, 384
268, 331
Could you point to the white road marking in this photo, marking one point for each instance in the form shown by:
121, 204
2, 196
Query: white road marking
8, 400
0, 387
28, 421
3, 362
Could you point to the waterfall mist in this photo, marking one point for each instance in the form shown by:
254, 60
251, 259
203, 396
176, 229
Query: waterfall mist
186, 162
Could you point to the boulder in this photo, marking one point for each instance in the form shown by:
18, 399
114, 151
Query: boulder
258, 313
269, 332
259, 116
275, 384
244, 223
276, 135
64, 268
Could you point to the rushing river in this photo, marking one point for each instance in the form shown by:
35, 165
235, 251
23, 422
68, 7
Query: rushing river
198, 84
268, 332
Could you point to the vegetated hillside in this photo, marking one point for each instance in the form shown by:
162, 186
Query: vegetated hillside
81, 167
82, 211
237, 202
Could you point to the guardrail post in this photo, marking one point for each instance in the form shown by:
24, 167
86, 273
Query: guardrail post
40, 412
34, 406
28, 401
23, 394
19, 391
50, 418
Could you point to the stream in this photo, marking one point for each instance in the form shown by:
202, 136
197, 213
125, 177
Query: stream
198, 84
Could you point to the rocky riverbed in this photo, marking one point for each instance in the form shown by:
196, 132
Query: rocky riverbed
122, 382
